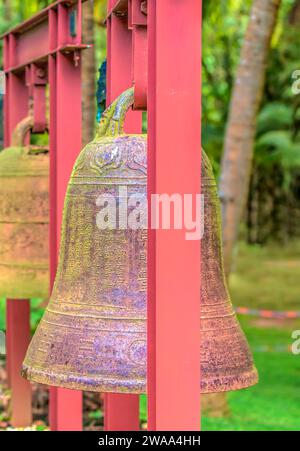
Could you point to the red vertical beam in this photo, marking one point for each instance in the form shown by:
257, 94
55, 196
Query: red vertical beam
174, 126
138, 23
16, 104
121, 411
17, 311
53, 247
65, 144
18, 317
119, 67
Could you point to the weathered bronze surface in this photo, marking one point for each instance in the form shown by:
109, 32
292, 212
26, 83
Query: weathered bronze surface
93, 334
24, 218
226, 360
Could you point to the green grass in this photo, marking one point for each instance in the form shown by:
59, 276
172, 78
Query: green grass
274, 403
265, 278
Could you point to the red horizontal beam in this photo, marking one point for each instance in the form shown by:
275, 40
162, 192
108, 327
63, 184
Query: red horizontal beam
37, 18
44, 29
44, 57
26, 48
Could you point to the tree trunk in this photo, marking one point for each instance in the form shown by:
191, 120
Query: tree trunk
214, 405
7, 10
88, 74
240, 134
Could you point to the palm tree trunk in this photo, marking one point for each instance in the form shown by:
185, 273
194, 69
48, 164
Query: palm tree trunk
240, 134
88, 74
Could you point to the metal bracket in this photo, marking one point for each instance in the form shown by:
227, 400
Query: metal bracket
138, 24
132, 16
36, 81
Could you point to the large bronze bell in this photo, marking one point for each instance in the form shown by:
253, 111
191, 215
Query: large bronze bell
93, 334
24, 218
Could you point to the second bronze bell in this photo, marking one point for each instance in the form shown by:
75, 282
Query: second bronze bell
93, 334
24, 217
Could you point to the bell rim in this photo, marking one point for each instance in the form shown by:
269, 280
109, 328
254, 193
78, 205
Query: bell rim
230, 383
108, 385
223, 384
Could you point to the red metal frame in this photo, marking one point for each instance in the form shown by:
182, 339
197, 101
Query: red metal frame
174, 95
121, 411
174, 166
58, 55
127, 25
18, 338
174, 131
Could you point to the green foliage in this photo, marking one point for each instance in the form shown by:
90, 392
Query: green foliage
277, 147
264, 276
274, 116
224, 25
96, 415
277, 141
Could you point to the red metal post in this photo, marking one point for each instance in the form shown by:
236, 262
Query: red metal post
121, 411
18, 338
174, 149
138, 23
65, 144
17, 312
27, 47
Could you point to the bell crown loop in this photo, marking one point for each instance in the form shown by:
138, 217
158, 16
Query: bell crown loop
113, 118
22, 128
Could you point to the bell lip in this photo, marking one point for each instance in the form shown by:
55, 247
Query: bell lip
223, 384
71, 382
231, 383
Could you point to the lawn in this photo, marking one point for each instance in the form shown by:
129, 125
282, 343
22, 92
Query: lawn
265, 278
273, 404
